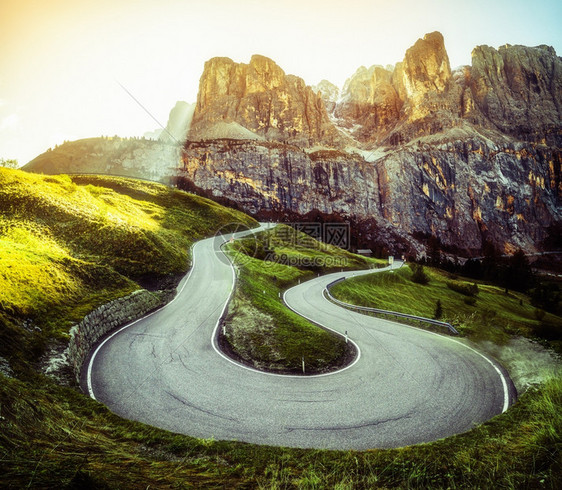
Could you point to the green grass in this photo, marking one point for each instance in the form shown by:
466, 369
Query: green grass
260, 330
68, 245
494, 316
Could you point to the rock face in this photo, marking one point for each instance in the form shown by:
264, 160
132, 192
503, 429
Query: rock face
464, 192
259, 98
393, 105
329, 92
370, 103
281, 177
519, 90
425, 67
515, 90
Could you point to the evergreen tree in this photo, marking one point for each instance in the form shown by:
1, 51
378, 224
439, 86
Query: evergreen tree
418, 274
517, 273
434, 251
438, 310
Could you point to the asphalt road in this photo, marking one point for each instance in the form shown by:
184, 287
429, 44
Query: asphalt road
407, 385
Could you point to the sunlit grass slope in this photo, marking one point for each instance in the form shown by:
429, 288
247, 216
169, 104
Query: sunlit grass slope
490, 314
68, 245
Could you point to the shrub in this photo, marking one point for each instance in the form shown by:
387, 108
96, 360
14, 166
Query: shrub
547, 296
548, 331
418, 274
463, 288
539, 314
470, 301
438, 310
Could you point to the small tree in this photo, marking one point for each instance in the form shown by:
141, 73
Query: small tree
539, 314
547, 296
438, 310
434, 251
9, 163
418, 274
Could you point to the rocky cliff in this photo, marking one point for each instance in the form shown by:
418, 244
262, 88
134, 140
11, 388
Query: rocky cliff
464, 191
329, 92
466, 155
518, 90
370, 103
515, 90
258, 101
395, 104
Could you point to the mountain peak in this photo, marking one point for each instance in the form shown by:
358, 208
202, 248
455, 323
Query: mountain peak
426, 66
261, 100
519, 89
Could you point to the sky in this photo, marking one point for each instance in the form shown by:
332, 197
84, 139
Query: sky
63, 62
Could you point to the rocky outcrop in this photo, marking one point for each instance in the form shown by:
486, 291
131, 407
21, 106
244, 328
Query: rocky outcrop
515, 90
519, 90
369, 104
394, 105
425, 68
259, 98
329, 92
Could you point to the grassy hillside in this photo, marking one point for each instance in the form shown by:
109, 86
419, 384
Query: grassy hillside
68, 245
488, 314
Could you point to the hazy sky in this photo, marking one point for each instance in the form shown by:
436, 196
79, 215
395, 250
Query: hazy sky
60, 60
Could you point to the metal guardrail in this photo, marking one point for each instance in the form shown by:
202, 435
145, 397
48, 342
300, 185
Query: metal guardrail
450, 327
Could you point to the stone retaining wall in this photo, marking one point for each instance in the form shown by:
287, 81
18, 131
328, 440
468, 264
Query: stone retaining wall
107, 317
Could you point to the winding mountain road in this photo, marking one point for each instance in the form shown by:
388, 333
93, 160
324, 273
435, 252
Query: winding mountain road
407, 385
